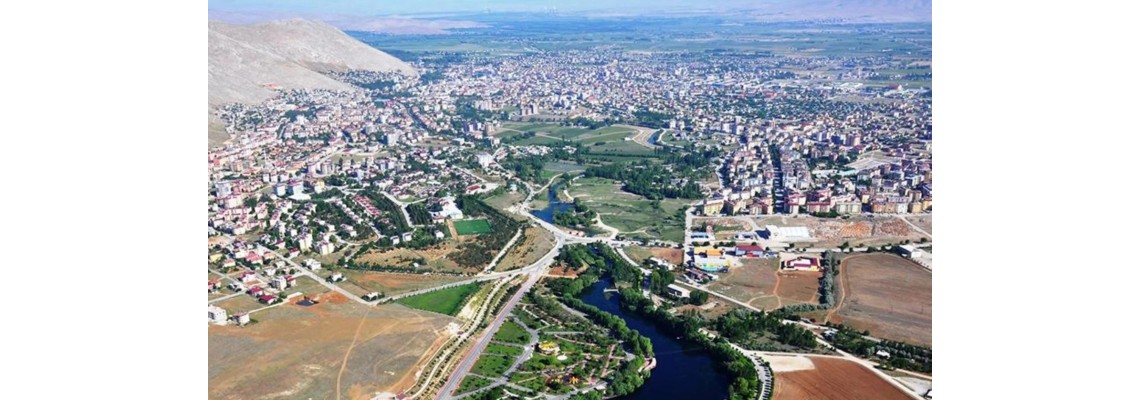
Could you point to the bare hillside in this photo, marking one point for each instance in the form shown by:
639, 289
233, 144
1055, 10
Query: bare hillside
245, 60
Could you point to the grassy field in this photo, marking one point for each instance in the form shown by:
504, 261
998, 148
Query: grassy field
503, 201
299, 352
447, 301
606, 140
472, 226
472, 382
511, 332
492, 365
506, 350
239, 304
630, 213
561, 166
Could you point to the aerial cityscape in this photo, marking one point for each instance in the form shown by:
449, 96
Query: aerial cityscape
565, 201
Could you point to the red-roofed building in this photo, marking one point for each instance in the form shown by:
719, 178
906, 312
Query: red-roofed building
750, 251
801, 264
267, 299
247, 277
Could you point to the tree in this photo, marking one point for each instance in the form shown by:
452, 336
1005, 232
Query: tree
698, 297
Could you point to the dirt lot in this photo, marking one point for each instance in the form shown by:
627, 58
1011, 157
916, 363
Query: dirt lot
798, 287
856, 230
672, 255
926, 222
296, 352
754, 282
436, 257
757, 282
391, 283
535, 243
711, 310
886, 294
834, 379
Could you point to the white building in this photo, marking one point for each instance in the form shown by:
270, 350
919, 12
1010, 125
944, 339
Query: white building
485, 160
279, 283
391, 139
313, 264
325, 248
678, 291
216, 314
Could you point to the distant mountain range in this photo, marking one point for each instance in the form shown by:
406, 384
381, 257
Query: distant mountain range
861, 11
245, 61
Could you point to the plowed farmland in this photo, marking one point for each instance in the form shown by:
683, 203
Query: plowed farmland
886, 294
834, 379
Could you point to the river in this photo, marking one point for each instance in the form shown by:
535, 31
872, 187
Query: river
684, 370
547, 214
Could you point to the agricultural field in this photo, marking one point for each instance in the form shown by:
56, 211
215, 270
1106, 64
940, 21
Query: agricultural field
444, 301
799, 377
887, 295
562, 167
331, 349
534, 243
394, 283
631, 214
472, 227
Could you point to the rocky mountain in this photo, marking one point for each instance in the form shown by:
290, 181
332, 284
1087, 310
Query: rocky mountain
245, 60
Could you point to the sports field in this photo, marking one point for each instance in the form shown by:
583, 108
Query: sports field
472, 226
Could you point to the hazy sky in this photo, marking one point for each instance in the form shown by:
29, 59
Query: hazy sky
388, 7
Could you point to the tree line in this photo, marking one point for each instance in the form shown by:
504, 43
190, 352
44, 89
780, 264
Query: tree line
480, 251
647, 179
